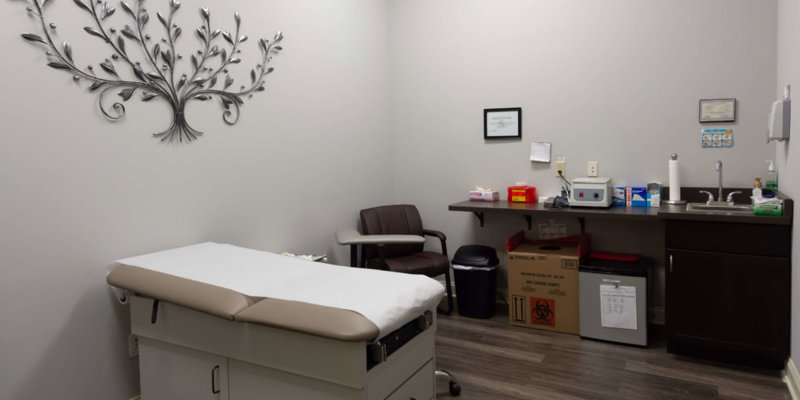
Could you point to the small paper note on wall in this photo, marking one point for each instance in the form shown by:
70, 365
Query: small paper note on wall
618, 306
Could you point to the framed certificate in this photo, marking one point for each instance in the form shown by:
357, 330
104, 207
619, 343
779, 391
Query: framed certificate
502, 123
717, 110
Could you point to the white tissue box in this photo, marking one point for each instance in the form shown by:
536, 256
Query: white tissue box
476, 195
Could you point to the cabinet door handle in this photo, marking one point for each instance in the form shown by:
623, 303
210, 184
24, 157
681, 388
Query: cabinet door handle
214, 373
670, 263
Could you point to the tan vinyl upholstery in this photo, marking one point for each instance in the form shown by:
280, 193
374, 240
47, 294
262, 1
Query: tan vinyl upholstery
329, 322
334, 323
198, 296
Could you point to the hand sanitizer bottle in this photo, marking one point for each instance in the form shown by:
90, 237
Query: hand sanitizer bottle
772, 177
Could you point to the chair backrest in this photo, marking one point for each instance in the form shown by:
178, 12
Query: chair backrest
401, 219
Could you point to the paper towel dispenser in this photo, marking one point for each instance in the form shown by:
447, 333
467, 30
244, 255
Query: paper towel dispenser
780, 118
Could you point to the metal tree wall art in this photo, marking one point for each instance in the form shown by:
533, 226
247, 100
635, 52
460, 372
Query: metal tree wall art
157, 75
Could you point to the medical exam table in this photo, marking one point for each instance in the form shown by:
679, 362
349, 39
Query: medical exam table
216, 321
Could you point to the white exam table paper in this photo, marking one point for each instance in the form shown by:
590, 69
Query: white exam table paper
388, 299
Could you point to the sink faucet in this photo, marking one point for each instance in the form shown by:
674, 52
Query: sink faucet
718, 168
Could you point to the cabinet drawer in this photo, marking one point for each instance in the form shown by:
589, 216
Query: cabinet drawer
757, 240
418, 387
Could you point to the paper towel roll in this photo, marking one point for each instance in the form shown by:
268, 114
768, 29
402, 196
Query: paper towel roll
674, 181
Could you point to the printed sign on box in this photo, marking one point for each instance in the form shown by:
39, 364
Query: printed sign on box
543, 311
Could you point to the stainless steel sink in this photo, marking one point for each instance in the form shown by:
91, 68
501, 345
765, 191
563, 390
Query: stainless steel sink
736, 209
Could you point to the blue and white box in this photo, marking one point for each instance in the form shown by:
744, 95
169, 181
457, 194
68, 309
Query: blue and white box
636, 196
654, 194
618, 198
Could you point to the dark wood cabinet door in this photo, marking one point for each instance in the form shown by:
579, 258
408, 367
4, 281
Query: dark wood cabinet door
728, 302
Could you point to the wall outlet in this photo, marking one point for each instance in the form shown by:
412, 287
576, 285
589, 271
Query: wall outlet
133, 345
561, 169
592, 169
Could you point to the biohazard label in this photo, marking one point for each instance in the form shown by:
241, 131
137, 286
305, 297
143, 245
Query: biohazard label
543, 311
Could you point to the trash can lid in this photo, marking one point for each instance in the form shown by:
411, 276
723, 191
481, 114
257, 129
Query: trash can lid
475, 255
640, 268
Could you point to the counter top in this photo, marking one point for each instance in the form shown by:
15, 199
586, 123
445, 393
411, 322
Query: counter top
671, 212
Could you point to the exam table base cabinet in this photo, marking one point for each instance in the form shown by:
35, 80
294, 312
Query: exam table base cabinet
727, 295
191, 355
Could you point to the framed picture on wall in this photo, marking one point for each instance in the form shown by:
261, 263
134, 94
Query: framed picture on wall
717, 110
502, 123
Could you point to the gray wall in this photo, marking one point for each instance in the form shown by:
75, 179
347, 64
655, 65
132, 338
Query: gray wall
79, 192
788, 154
616, 82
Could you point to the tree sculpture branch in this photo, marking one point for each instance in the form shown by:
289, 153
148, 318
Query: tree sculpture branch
158, 76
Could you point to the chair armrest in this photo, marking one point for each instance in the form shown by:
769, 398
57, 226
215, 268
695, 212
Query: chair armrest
352, 236
431, 232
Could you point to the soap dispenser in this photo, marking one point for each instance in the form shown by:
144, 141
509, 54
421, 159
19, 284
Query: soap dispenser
771, 178
757, 189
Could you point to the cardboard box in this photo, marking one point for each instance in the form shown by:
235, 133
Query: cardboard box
619, 196
543, 282
636, 196
476, 195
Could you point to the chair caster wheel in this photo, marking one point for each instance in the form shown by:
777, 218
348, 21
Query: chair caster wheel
455, 388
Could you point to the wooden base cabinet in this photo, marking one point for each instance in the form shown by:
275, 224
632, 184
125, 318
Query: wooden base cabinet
726, 305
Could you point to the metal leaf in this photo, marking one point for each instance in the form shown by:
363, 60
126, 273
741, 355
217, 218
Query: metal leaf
108, 67
195, 63
279, 48
176, 33
216, 33
278, 37
162, 19
198, 81
147, 96
33, 38
201, 34
269, 70
128, 8
238, 18
154, 76
94, 32
68, 51
252, 76
166, 55
228, 81
227, 36
143, 18
212, 82
58, 65
126, 93
223, 55
203, 97
96, 85
44, 3
243, 39
107, 11
205, 13
259, 89
83, 6
130, 33
139, 73
181, 82
121, 44
156, 51
236, 60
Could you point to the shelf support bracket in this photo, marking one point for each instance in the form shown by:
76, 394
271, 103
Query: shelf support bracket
529, 220
479, 215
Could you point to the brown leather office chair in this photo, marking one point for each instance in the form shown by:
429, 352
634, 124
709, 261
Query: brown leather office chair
411, 258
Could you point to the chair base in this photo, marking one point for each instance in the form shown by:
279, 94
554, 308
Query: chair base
454, 387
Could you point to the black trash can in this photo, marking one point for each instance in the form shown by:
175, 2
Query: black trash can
475, 273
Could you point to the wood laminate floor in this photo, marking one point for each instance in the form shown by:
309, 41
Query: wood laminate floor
493, 360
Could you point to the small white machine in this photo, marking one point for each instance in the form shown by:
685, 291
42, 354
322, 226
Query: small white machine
591, 192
